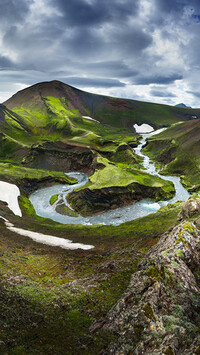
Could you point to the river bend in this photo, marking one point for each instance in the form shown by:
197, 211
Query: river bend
40, 198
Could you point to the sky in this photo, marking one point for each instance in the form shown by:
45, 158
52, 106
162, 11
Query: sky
146, 50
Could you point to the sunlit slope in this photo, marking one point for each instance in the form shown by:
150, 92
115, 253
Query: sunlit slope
55, 106
51, 111
178, 148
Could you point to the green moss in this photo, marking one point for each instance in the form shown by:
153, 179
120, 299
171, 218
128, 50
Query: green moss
180, 238
189, 228
179, 252
26, 206
138, 329
66, 211
168, 351
53, 199
149, 312
174, 263
153, 271
161, 274
113, 175
197, 351
166, 252
17, 172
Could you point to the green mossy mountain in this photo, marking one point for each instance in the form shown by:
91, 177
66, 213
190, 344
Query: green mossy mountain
55, 106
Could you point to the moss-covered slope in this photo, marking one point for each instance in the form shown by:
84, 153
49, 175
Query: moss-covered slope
47, 290
177, 149
115, 186
57, 107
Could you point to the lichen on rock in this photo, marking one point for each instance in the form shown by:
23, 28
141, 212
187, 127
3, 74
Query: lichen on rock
159, 312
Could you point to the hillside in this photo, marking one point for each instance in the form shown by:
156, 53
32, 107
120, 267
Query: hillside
177, 149
50, 98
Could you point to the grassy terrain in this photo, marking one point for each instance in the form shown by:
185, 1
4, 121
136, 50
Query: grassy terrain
177, 149
113, 175
11, 172
53, 199
51, 118
47, 290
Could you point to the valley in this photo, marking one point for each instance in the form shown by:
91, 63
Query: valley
85, 177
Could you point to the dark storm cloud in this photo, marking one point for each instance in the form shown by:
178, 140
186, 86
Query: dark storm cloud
84, 13
157, 92
175, 11
84, 43
113, 68
5, 62
118, 44
33, 37
14, 11
194, 93
170, 6
93, 82
176, 6
130, 39
157, 79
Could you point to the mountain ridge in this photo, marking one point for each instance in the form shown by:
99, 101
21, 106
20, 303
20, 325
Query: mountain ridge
117, 112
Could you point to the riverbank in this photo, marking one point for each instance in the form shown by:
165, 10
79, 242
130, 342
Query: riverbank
117, 215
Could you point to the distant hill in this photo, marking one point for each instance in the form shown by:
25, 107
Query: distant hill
182, 105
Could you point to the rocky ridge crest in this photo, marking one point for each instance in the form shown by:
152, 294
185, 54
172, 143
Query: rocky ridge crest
160, 311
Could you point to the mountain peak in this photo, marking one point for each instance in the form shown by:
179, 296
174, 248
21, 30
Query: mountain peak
182, 105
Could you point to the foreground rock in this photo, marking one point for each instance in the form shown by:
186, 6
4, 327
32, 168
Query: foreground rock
160, 311
190, 208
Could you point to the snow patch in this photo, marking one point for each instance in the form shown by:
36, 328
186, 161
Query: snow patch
47, 239
90, 118
9, 193
143, 128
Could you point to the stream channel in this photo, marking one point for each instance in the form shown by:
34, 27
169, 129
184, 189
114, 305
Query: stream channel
40, 198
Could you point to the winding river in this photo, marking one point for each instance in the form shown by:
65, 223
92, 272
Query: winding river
40, 198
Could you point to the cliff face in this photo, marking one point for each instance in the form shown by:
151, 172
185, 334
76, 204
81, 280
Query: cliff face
60, 156
160, 311
87, 202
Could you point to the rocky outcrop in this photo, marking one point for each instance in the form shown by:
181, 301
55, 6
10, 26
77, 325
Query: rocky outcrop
29, 185
160, 311
189, 208
123, 153
60, 156
92, 201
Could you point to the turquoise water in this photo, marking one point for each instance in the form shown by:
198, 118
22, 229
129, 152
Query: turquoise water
40, 198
